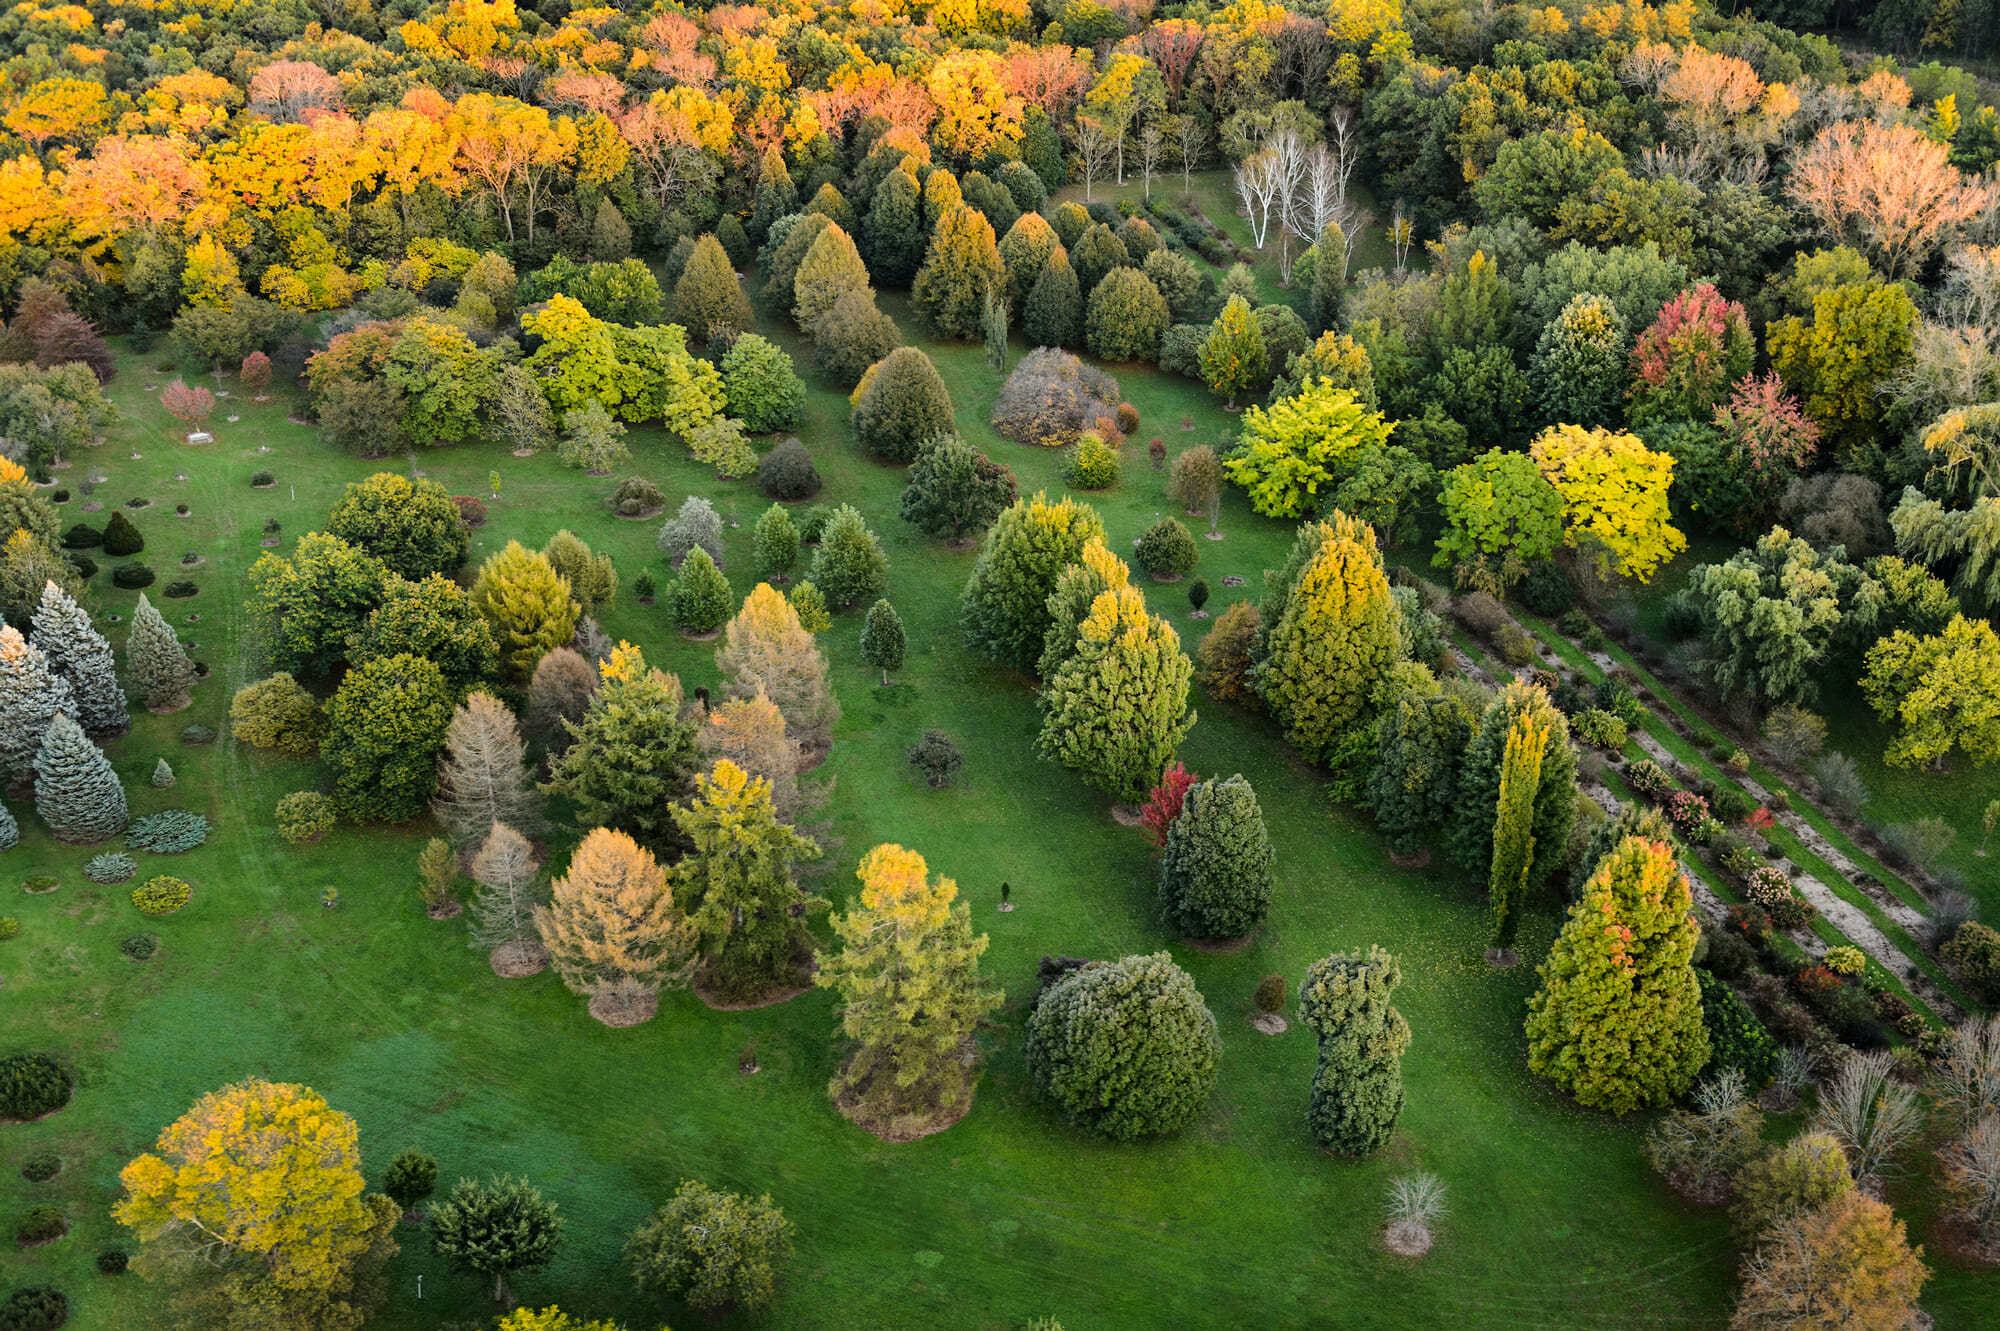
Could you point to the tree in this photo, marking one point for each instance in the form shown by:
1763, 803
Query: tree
1859, 338
1053, 316
1077, 588
1579, 367
781, 256
1288, 453
849, 566
433, 619
528, 606
76, 792
1415, 782
1004, 608
257, 1192
278, 713
700, 598
1513, 822
894, 231
852, 336
776, 542
1944, 690
503, 910
831, 269
1126, 317
1125, 1049
592, 578
960, 268
1216, 866
1233, 357
911, 995
737, 883
1685, 362
1804, 1175
443, 377
776, 195
1501, 514
78, 653
1117, 709
592, 440
713, 1250
696, 523
191, 405
385, 727
1844, 1264
1889, 188
764, 390
517, 412
21, 509
412, 527
1357, 1087
902, 401
993, 321
494, 1228
1617, 1022
882, 641
709, 297
306, 607
1773, 612
767, 650
159, 668
1543, 790
1614, 493
631, 755
411, 1178
1196, 479
366, 417
483, 777
1338, 631
614, 929
559, 691
955, 490
1024, 252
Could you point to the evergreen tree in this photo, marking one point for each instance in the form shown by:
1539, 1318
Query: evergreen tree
737, 884
528, 606
1004, 609
882, 642
1618, 1021
775, 540
786, 255
1633, 820
495, 1227
1125, 317
163, 774
1233, 357
610, 234
21, 509
1470, 838
631, 755
1053, 316
1215, 871
613, 928
993, 323
1357, 1088
593, 440
831, 269
1024, 252
1329, 279
849, 566
776, 195
766, 650
1513, 822
852, 336
708, 297
385, 727
592, 578
161, 672
911, 995
434, 619
503, 909
1338, 635
78, 652
700, 597
1117, 709
1579, 371
1124, 1048
961, 267
901, 403
412, 526
955, 490
1475, 307
10, 830
31, 696
76, 792
1077, 588
830, 203
763, 387
1095, 255
1415, 782
895, 229
307, 606
483, 778
1041, 148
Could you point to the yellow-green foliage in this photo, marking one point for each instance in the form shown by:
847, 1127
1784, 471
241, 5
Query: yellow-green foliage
1005, 607
1291, 452
1339, 633
278, 713
527, 603
1614, 493
1513, 821
1233, 358
162, 895
1117, 709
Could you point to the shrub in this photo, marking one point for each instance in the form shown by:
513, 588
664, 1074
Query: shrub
1270, 995
40, 883
1794, 734
180, 589
1648, 779
262, 480
1732, 805
162, 895
696, 523
1922, 840
715, 1250
901, 402
121, 538
41, 1167
636, 495
1093, 465
643, 587
1596, 726
1975, 950
112, 1261
40, 1224
32, 1085
9, 926
1846, 960
1736, 1039
1128, 418
812, 524
169, 832
1840, 783
471, 510
1167, 550
787, 472
1514, 645
305, 815
197, 734
1793, 912
1051, 398
82, 536
113, 868
1575, 624
1126, 1049
131, 577
1767, 886
140, 946
1615, 697
1547, 589
937, 758
34, 1308
1480, 613
86, 567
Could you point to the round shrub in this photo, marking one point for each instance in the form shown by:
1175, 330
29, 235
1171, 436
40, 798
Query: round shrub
937, 758
1732, 805
41, 1167
169, 832
1513, 644
262, 480
115, 867
85, 566
1575, 624
1126, 1048
1128, 418
1093, 465
32, 1085
39, 884
113, 1261
637, 497
901, 402
132, 577
1270, 996
198, 735
34, 1308
140, 947
305, 815
1687, 811
1547, 589
1794, 912
471, 510
787, 472
1975, 950
82, 536
9, 926
181, 510
1846, 960
1648, 779
180, 589
162, 895
60, 497
40, 1224
1167, 550
1736, 1039
1594, 725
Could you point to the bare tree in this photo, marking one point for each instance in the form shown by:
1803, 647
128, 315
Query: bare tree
1972, 1172
1322, 193
1257, 185
483, 776
1191, 141
1967, 1078
1152, 147
1401, 233
503, 911
1095, 144
1290, 153
1871, 1116
1346, 146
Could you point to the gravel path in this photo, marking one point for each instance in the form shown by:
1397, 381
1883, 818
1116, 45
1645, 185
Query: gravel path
1712, 905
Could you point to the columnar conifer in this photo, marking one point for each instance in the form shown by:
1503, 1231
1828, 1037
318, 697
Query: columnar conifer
1357, 1089
902, 402
882, 640
1053, 316
1470, 837
708, 296
1004, 609
831, 269
1215, 870
503, 909
1513, 822
848, 566
529, 607
1077, 588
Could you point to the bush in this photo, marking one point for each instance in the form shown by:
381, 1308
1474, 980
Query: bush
471, 510
9, 927
1547, 589
1480, 613
636, 496
169, 832
1732, 805
1975, 950
32, 1085
34, 1308
305, 815
1615, 697
937, 758
1270, 995
1840, 783
40, 1224
1686, 811
112, 1261
812, 524
197, 734
85, 566
1648, 780
1514, 645
1125, 1049
1846, 960
121, 538
1128, 418
115, 867
1051, 398
787, 472
40, 883
1766, 886
41, 1167
140, 946
1093, 465
1167, 550
1736, 1039
180, 589
131, 577
1793, 912
902, 401
262, 480
1596, 726
161, 896
1576, 624
82, 536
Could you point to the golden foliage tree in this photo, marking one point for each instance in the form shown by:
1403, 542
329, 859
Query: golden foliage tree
1846, 1264
613, 929
765, 649
527, 604
1614, 492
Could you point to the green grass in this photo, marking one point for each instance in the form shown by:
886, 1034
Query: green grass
1557, 1221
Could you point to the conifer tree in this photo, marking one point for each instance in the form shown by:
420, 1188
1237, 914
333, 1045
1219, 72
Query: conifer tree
902, 402
767, 650
776, 194
910, 989
700, 596
76, 792
32, 694
882, 641
1338, 634
1415, 782
955, 490
483, 778
1117, 709
750, 732
1096, 255
631, 755
786, 256
831, 269
852, 336
1077, 588
503, 909
1004, 608
159, 668
830, 203
895, 229
10, 830
1215, 870
592, 578
385, 727
737, 883
528, 605
775, 541
560, 691
78, 652
1053, 316
1470, 837
1024, 252
708, 297
993, 321
1513, 822
163, 774
849, 566
1618, 1021
1357, 1089
1233, 356
21, 509
962, 265
1579, 371
613, 928
1329, 279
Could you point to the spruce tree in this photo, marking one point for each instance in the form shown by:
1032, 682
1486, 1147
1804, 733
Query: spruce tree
503, 909
700, 597
614, 930
1215, 871
1053, 316
766, 650
955, 490
1004, 609
1469, 838
483, 776
158, 667
738, 885
76, 792
882, 641
10, 830
1513, 823
32, 694
894, 231
708, 297
902, 403
962, 266
775, 540
910, 989
1233, 357
79, 653
528, 606
1618, 1020
1024, 252
1117, 709
631, 755
776, 195
1357, 1088
831, 269
849, 566
163, 774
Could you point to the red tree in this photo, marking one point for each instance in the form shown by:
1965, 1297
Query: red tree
193, 405
256, 371
1164, 804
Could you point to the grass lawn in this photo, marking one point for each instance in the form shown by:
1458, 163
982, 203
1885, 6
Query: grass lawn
1557, 1220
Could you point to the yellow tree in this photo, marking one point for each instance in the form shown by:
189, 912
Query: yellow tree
767, 650
510, 147
527, 604
1614, 493
1117, 709
976, 111
73, 110
614, 931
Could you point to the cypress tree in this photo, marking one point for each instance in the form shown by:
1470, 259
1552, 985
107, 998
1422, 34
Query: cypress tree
831, 269
527, 605
1117, 709
1004, 609
1639, 820
962, 265
592, 578
1041, 148
1096, 253
1513, 823
31, 696
708, 297
1357, 1088
1470, 838
894, 231
1415, 782
157, 664
1579, 370
1618, 1020
700, 596
882, 641
631, 755
1053, 316
955, 490
902, 403
776, 195
121, 537
79, 653
76, 792
1024, 252
1215, 872
786, 256
1329, 280
849, 565
1077, 588
830, 203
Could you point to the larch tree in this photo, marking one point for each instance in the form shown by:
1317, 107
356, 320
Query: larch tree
750, 732
1004, 609
831, 269
158, 667
1476, 812
528, 605
910, 989
483, 777
1357, 1086
560, 691
1216, 867
32, 694
79, 654
76, 792
631, 755
1117, 710
709, 297
613, 929
766, 650
1618, 1020
503, 909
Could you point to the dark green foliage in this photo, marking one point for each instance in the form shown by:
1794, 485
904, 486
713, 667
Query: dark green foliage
1167, 550
495, 1227
412, 1177
435, 620
1547, 589
132, 577
955, 490
32, 1085
730, 235
121, 538
1632, 820
1053, 316
40, 1224
937, 758
1125, 1049
1736, 1038
41, 1167
904, 403
1041, 148
782, 268
1096, 253
170, 832
851, 336
412, 527
1357, 1088
894, 231
386, 727
1126, 317
1415, 782
1470, 841
113, 1261
83, 536
1216, 871
848, 566
34, 1308
787, 472
625, 292
882, 639
713, 1250
700, 598
1975, 950
1005, 606
629, 758
140, 947
1270, 995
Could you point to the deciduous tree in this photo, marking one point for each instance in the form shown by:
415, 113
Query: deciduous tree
412, 527
1942, 691
1844, 1264
503, 910
1614, 496
766, 650
614, 929
1233, 358
714, 1250
306, 606
1289, 453
385, 727
483, 778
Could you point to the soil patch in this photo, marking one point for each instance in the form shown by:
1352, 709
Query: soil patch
300, 420
959, 545
169, 711
709, 636
812, 754
1270, 1023
1502, 958
517, 961
1167, 578
449, 910
271, 542
1961, 1239
1407, 1240
1128, 815
719, 1004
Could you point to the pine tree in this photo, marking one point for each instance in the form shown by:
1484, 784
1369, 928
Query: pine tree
1004, 609
1469, 839
76, 792
1513, 823
1233, 357
1053, 316
1215, 870
1357, 1089
911, 995
31, 696
882, 641
708, 298
902, 402
766, 650
79, 653
528, 606
158, 667
963, 264
776, 195
955, 490
737, 883
849, 566
1117, 709
831, 269
612, 926
483, 778
631, 755
1077, 588
775, 540
1338, 635
750, 732
1618, 1021
895, 230
1024, 252
503, 909
700, 597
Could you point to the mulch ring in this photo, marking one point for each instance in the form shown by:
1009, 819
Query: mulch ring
1270, 1023
448, 910
1128, 815
641, 516
899, 1128
517, 961
622, 1010
719, 1004
1407, 1240
1962, 1240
